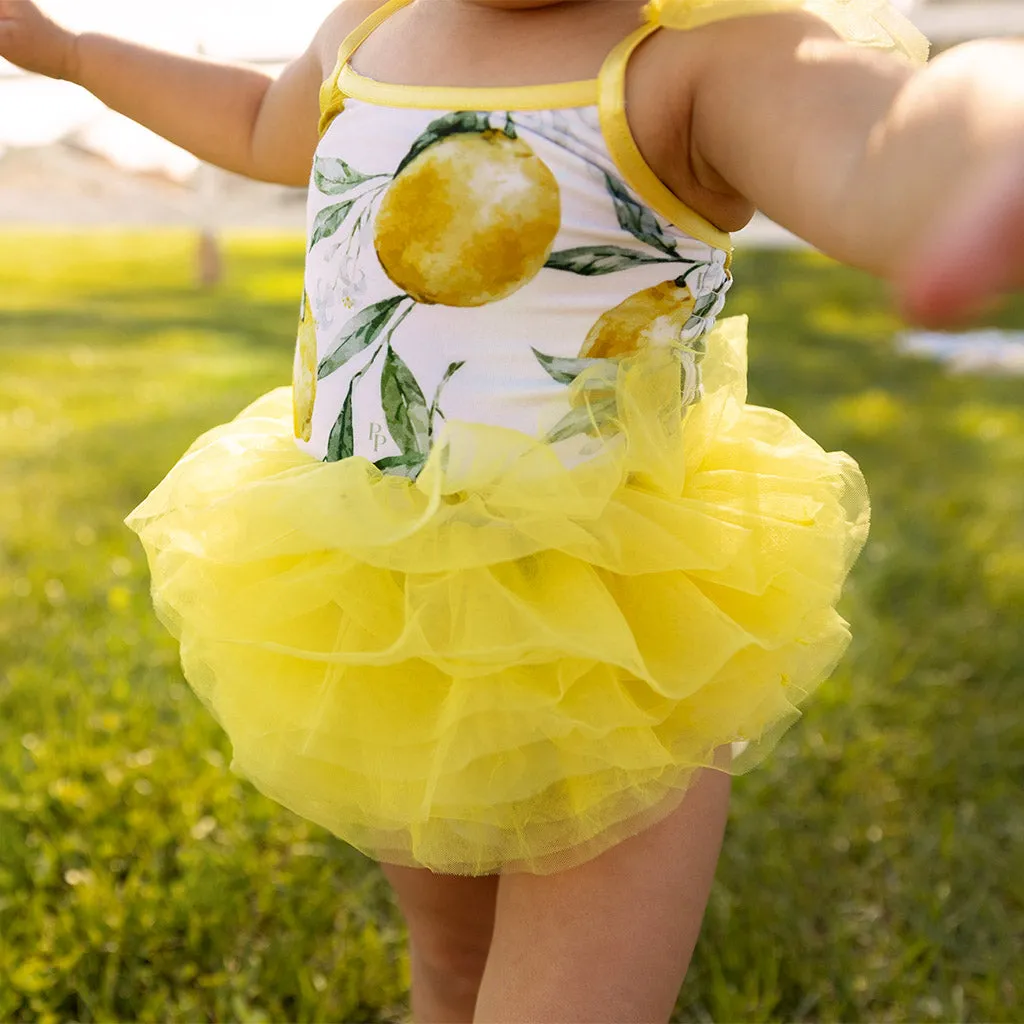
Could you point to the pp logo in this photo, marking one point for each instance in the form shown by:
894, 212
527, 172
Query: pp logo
378, 438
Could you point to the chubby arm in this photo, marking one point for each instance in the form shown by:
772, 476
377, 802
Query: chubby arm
862, 154
233, 116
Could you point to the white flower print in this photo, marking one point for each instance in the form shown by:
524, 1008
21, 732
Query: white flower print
343, 285
352, 278
325, 300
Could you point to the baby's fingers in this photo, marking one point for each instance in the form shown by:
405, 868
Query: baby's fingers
976, 253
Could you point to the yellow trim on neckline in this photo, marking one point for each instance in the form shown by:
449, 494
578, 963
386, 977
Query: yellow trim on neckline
618, 137
347, 82
460, 97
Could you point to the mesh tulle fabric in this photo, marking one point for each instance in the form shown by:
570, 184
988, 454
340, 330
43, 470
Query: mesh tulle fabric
522, 657
875, 23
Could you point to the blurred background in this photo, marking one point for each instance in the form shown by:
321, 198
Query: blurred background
67, 160
873, 869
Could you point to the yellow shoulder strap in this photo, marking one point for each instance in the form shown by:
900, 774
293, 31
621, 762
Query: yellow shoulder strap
635, 170
332, 99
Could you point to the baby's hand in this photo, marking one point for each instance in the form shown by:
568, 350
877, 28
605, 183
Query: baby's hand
976, 254
33, 41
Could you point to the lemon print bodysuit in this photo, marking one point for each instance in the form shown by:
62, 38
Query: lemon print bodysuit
512, 559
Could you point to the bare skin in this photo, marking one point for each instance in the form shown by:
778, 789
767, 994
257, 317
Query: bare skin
450, 923
608, 941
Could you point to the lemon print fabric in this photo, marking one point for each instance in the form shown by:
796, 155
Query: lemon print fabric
471, 213
469, 218
654, 316
305, 372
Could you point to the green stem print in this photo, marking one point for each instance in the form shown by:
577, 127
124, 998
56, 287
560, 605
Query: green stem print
633, 216
589, 418
639, 220
363, 330
461, 122
405, 407
342, 442
334, 177
594, 260
594, 405
435, 407
411, 423
564, 138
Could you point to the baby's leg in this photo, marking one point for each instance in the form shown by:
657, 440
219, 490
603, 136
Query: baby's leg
450, 922
610, 940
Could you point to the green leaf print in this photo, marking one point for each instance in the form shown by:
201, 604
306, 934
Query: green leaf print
582, 420
461, 121
453, 368
637, 219
593, 260
402, 465
359, 333
341, 444
329, 220
405, 408
334, 177
563, 371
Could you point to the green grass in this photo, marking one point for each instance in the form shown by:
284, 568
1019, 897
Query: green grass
872, 870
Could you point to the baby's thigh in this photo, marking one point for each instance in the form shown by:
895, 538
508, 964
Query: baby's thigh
612, 939
450, 919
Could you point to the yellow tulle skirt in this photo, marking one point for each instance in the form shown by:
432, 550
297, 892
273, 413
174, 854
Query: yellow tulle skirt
516, 660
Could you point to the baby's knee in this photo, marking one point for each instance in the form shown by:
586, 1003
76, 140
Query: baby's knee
448, 959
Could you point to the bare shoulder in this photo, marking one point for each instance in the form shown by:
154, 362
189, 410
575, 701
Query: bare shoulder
687, 87
345, 18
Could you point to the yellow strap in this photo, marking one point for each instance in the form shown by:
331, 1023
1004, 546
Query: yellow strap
367, 27
618, 136
332, 99
448, 97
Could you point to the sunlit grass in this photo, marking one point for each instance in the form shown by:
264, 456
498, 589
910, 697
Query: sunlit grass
873, 867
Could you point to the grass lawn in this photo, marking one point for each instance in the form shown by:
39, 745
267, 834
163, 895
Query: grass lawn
873, 869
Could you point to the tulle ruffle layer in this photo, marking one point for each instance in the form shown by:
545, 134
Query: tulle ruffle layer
522, 657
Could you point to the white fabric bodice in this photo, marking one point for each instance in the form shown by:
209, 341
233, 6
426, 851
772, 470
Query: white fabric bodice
500, 379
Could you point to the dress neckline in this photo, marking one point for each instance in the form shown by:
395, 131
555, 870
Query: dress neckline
558, 95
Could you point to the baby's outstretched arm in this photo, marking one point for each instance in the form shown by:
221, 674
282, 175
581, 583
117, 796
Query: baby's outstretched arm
911, 173
235, 117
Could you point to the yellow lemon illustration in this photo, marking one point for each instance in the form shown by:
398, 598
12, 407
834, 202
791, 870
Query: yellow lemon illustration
304, 375
655, 317
469, 221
